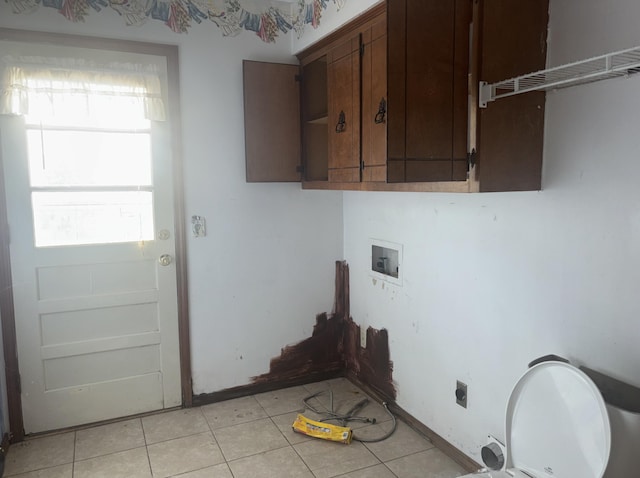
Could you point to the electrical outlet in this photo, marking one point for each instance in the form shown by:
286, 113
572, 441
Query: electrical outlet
363, 337
461, 394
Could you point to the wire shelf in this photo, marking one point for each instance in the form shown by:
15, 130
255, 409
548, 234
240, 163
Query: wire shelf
611, 65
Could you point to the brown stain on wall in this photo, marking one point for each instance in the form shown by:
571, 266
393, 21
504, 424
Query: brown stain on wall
335, 346
371, 365
310, 356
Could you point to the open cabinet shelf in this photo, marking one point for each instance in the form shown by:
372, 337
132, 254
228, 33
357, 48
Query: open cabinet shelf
320, 120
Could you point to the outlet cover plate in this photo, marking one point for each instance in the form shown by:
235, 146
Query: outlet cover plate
461, 394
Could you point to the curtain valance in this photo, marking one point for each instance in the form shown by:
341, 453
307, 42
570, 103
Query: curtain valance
30, 80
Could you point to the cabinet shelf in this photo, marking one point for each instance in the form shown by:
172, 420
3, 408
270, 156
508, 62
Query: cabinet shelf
319, 120
610, 65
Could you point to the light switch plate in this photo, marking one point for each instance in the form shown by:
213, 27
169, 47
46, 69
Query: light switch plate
198, 226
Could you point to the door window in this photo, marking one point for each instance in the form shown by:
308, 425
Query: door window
89, 169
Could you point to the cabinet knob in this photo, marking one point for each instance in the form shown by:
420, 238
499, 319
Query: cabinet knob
342, 123
382, 111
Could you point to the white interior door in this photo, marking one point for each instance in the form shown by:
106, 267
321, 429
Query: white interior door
91, 222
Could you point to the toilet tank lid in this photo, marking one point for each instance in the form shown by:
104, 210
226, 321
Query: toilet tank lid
557, 424
615, 392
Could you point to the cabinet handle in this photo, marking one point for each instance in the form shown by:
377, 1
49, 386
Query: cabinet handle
382, 111
340, 127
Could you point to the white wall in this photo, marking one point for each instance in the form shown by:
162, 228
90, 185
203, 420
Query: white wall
492, 281
267, 265
4, 407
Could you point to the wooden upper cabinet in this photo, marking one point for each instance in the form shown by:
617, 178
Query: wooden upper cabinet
390, 101
374, 102
272, 121
343, 81
338, 134
428, 89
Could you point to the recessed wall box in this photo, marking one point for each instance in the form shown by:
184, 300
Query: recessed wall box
386, 261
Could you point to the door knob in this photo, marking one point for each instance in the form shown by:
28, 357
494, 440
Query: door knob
165, 259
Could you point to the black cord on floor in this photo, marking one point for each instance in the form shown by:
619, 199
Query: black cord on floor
329, 414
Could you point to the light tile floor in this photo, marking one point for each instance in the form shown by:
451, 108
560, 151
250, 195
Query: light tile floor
248, 437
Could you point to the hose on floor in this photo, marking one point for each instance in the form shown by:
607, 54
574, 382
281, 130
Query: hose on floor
329, 414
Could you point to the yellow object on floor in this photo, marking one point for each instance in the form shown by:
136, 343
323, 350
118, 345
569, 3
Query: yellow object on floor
324, 431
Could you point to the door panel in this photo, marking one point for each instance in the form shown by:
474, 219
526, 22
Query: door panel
461, 80
96, 324
95, 401
428, 89
105, 321
343, 73
374, 102
272, 121
396, 83
429, 79
511, 132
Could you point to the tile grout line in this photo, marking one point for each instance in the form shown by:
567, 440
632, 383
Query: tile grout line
111, 453
216, 439
258, 453
146, 446
100, 456
270, 417
235, 424
287, 444
213, 434
390, 470
291, 446
73, 461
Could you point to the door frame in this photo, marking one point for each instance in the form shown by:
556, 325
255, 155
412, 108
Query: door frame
170, 52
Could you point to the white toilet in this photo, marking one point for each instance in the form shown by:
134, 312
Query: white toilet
557, 426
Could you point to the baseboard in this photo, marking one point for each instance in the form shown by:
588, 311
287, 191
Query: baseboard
4, 448
447, 448
444, 446
253, 388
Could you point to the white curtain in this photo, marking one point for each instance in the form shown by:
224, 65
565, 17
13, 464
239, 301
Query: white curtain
30, 81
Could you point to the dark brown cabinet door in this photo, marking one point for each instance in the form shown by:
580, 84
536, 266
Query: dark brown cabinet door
510, 140
271, 122
428, 89
343, 79
374, 102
